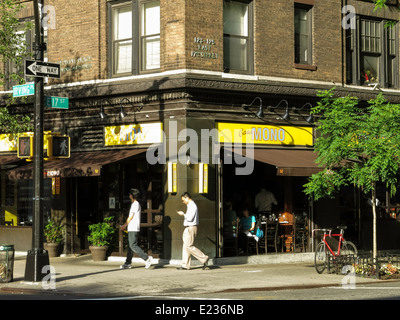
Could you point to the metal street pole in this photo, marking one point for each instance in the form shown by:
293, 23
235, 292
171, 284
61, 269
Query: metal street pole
37, 258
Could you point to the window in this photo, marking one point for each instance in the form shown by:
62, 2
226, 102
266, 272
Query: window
392, 64
135, 37
122, 39
237, 37
150, 33
14, 69
372, 54
370, 51
302, 35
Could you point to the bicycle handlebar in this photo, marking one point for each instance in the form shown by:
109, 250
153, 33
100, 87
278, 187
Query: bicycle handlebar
324, 230
342, 228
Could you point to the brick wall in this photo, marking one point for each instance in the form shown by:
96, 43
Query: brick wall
274, 40
204, 34
172, 35
192, 37
78, 43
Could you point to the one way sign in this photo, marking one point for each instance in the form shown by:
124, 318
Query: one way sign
42, 69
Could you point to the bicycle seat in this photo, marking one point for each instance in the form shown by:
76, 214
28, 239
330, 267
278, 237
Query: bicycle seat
342, 227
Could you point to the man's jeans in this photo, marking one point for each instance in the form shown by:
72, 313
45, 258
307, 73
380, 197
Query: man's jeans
133, 246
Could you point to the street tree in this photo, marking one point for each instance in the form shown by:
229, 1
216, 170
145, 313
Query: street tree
380, 4
357, 145
13, 51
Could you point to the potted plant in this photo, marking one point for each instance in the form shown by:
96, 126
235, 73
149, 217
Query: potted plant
54, 235
100, 237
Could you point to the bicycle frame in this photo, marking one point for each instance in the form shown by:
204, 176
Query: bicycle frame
339, 235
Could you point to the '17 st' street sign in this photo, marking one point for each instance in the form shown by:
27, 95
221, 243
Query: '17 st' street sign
42, 69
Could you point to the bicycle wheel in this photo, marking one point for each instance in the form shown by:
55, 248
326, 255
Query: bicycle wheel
348, 248
320, 259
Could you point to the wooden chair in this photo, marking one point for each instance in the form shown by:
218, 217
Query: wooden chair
231, 233
300, 234
271, 235
287, 231
251, 243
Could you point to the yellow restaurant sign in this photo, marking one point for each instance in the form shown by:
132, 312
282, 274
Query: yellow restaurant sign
8, 142
133, 134
264, 134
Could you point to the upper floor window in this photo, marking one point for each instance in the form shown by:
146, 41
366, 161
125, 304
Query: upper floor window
370, 50
302, 32
135, 37
14, 68
150, 33
237, 36
372, 53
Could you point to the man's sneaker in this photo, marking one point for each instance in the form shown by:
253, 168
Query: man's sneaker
126, 266
148, 262
205, 264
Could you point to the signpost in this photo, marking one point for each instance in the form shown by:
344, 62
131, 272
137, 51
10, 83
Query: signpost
42, 69
37, 258
24, 90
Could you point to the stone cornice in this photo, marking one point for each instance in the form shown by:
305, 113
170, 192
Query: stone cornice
204, 87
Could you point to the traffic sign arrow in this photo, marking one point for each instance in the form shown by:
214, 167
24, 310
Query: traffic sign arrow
42, 69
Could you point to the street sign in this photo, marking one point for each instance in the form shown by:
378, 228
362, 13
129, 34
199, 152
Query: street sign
42, 69
24, 90
56, 102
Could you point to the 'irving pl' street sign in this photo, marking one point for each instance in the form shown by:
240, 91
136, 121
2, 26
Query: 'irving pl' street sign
42, 69
24, 90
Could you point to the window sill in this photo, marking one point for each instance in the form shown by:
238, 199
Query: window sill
304, 67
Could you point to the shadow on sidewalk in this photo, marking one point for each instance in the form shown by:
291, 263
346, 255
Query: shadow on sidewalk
85, 275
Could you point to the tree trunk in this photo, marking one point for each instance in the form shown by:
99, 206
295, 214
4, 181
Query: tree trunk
374, 242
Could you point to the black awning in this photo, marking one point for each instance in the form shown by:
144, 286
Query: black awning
301, 163
80, 164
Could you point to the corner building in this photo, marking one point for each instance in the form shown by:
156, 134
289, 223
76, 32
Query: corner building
189, 79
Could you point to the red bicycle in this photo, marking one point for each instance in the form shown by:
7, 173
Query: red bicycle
332, 244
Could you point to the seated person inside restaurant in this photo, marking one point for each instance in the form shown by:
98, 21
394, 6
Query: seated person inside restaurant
247, 228
230, 218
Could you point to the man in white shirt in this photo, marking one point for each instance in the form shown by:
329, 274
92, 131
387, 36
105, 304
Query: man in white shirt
133, 224
264, 200
189, 234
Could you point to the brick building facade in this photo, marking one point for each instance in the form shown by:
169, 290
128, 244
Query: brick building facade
192, 65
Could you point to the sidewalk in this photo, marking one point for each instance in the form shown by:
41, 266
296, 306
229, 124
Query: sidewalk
83, 276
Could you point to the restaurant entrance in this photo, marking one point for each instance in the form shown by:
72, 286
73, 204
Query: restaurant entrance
91, 199
292, 207
84, 207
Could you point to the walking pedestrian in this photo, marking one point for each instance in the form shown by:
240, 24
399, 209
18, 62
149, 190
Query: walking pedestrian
133, 225
189, 234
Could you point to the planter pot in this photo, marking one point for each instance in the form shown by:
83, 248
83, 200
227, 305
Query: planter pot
98, 253
52, 249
